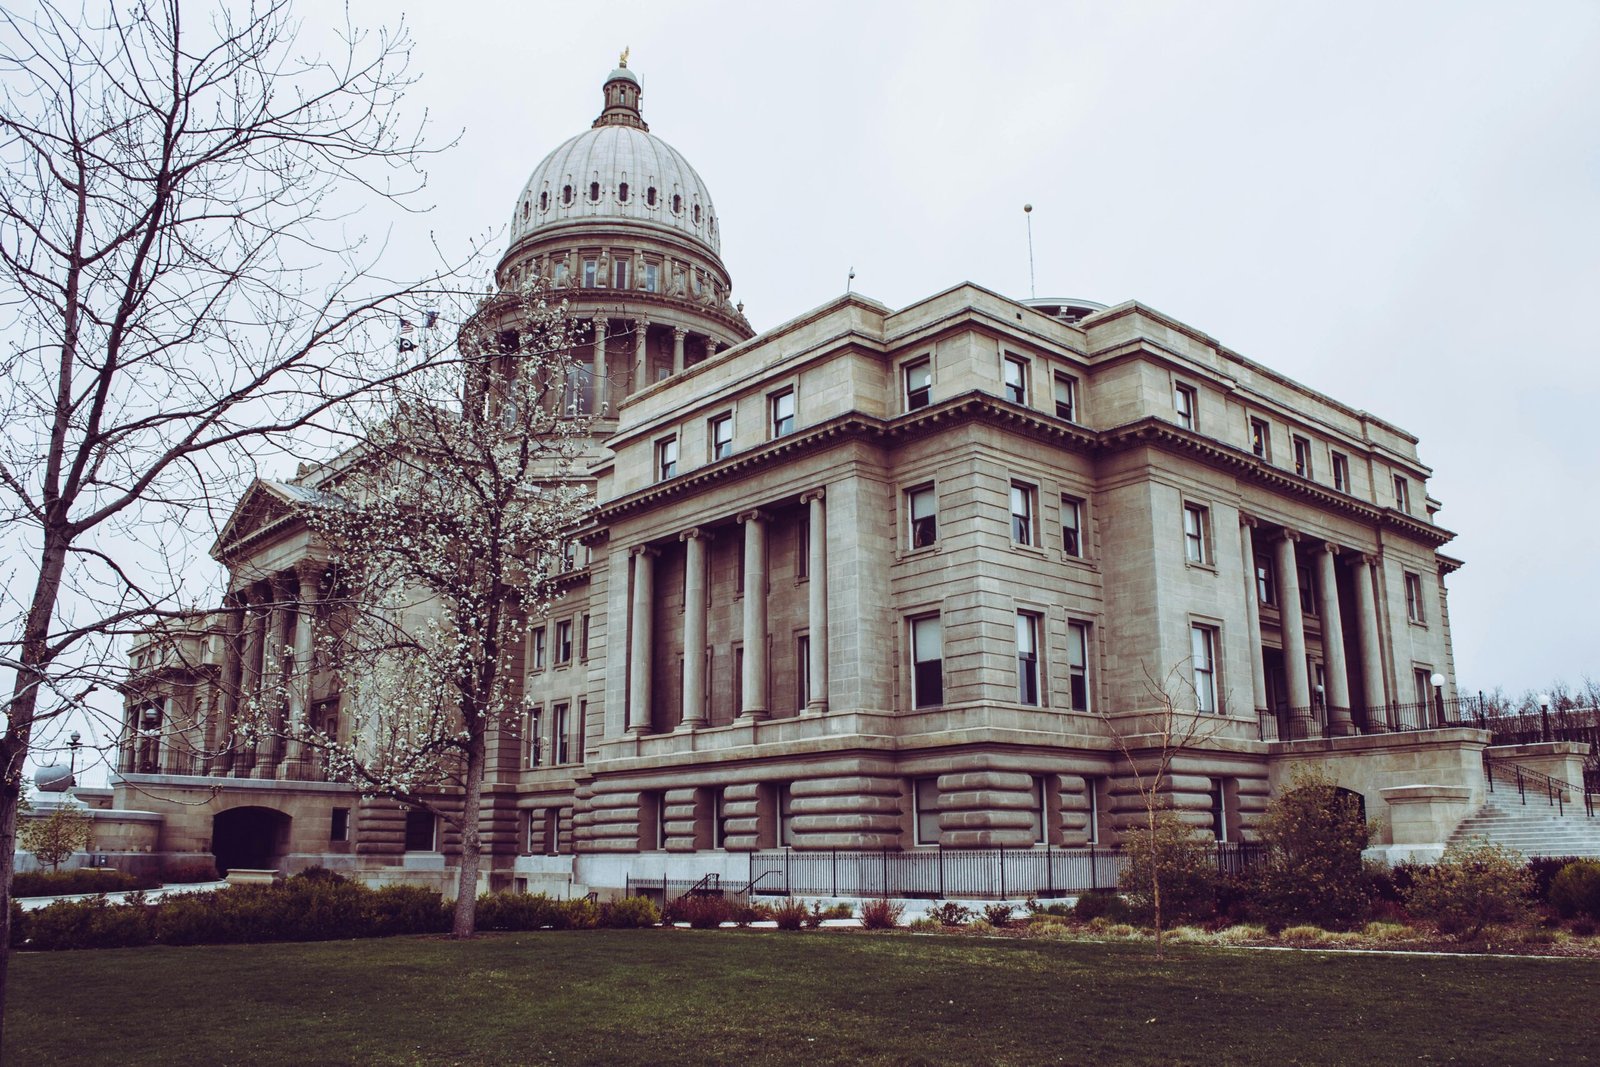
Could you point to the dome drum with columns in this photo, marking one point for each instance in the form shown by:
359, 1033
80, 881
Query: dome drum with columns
618, 221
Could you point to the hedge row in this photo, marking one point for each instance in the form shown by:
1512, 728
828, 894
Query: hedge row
101, 880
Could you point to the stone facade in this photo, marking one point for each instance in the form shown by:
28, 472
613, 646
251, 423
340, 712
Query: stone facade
875, 579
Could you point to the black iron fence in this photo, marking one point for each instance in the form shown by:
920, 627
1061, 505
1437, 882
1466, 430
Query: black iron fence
964, 874
1532, 785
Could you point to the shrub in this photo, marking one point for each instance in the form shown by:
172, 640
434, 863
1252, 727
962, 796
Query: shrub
1471, 886
1543, 871
1101, 902
702, 911
88, 924
791, 914
835, 911
408, 909
629, 913
519, 911
999, 916
83, 880
948, 913
747, 913
881, 914
1060, 908
188, 871
1313, 875
315, 874
1179, 860
1584, 927
1575, 890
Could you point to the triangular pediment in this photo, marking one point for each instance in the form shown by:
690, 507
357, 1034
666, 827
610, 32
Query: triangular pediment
265, 504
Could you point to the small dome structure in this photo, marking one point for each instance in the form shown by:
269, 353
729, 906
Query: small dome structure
53, 779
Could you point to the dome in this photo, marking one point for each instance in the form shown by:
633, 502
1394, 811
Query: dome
618, 170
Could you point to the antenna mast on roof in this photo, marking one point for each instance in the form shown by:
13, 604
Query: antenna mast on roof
1027, 211
850, 282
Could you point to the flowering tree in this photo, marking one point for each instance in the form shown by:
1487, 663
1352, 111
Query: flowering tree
55, 836
181, 291
449, 528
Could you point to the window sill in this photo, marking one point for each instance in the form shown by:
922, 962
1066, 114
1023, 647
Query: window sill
924, 550
1192, 565
1029, 550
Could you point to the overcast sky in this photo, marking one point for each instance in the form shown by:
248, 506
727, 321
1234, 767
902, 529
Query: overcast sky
1396, 204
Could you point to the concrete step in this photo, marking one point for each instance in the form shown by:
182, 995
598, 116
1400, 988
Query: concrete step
1533, 829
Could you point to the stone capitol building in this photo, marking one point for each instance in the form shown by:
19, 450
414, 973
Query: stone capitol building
878, 580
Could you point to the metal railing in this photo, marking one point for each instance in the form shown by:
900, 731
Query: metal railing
1526, 781
667, 890
963, 874
1314, 723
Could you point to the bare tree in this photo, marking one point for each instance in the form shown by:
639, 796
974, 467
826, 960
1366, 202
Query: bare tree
181, 289
449, 529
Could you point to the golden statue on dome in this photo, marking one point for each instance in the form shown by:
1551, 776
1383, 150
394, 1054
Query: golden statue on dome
622, 61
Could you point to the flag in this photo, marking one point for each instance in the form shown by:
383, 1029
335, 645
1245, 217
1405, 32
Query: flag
429, 318
405, 343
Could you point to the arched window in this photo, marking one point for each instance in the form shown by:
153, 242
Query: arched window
677, 204
594, 192
697, 214
544, 201
524, 211
566, 194
622, 192
650, 196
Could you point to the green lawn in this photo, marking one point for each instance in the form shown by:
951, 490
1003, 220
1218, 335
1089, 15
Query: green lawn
678, 996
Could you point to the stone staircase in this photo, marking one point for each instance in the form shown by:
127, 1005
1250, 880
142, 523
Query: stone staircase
1533, 829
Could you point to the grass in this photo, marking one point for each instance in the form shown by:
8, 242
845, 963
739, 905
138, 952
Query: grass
688, 997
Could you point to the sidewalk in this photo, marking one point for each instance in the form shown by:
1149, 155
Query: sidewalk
173, 889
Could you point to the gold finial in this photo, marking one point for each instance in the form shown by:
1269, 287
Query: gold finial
623, 61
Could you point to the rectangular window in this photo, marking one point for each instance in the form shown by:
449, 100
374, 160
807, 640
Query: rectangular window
1066, 397
1039, 812
621, 268
339, 827
652, 277
666, 458
1341, 472
1261, 439
1203, 650
1071, 526
782, 405
1414, 607
1022, 511
925, 801
421, 831
552, 831
583, 638
538, 648
564, 641
738, 681
927, 663
563, 275
591, 273
1219, 811
1186, 403
924, 516
1091, 798
802, 670
721, 437
1078, 665
785, 816
531, 736
1027, 658
1302, 456
919, 384
1196, 539
1422, 681
1266, 588
1014, 375
560, 743
652, 822
1308, 589
1402, 493
583, 726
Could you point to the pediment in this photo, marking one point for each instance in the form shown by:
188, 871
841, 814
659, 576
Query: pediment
266, 504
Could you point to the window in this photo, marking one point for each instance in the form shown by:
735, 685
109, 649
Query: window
1014, 377
1203, 651
1196, 538
782, 405
1422, 681
583, 638
1261, 439
666, 459
1027, 658
802, 548
1091, 798
1308, 589
564, 641
583, 726
566, 194
563, 273
535, 746
1066, 397
1402, 493
421, 831
622, 192
927, 663
652, 822
919, 384
620, 270
802, 668
591, 273
677, 204
1185, 403
652, 277
1414, 607
1072, 526
924, 516
925, 803
1341, 472
1266, 587
721, 437
339, 827
538, 648
738, 681
1219, 810
1039, 811
785, 807
594, 192
1022, 509
552, 831
560, 744
1078, 666
544, 201
1302, 456
650, 196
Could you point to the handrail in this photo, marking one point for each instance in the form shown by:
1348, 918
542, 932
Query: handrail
708, 884
1525, 778
745, 892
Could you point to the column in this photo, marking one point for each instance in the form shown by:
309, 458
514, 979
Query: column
755, 614
640, 640
227, 704
1294, 636
641, 355
1340, 723
1252, 615
694, 629
1370, 648
273, 651
678, 333
711, 346
249, 700
296, 764
817, 605
599, 366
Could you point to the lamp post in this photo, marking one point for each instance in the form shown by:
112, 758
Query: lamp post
1437, 681
74, 742
1544, 716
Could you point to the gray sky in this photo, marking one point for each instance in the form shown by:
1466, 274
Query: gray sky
1395, 204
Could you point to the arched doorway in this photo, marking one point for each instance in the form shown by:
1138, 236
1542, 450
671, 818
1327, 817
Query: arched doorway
249, 838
